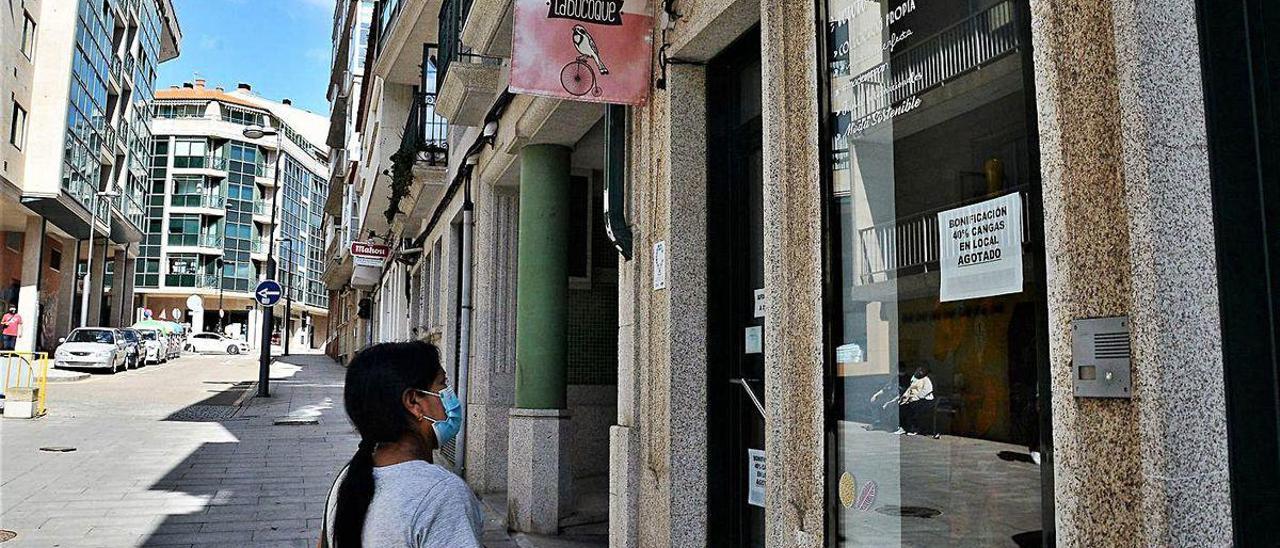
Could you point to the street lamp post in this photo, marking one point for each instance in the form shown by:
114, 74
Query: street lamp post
264, 356
88, 267
220, 313
288, 292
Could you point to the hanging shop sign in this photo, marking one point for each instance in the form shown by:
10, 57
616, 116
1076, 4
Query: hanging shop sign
583, 50
981, 249
367, 260
369, 254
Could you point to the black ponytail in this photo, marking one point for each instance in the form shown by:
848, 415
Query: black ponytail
376, 381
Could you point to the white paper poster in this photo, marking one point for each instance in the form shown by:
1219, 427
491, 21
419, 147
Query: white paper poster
759, 303
755, 477
660, 265
980, 249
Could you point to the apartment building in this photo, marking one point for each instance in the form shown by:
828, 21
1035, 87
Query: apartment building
76, 112
1035, 234
351, 28
219, 202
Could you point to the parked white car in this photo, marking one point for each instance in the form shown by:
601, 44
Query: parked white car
153, 347
213, 343
92, 348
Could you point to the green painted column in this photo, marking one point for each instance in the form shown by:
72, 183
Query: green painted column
542, 286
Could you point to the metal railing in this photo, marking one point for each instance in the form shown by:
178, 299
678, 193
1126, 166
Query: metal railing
426, 132
954, 51
909, 242
453, 15
26, 370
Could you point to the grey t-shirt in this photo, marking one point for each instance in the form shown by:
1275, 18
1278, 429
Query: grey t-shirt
418, 505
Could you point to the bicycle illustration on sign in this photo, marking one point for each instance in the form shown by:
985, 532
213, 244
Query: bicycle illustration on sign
578, 77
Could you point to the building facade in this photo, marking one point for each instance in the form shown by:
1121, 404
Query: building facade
220, 201
78, 86
1036, 234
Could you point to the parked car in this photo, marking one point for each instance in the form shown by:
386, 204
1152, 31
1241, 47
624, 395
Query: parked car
133, 347
216, 344
94, 348
153, 350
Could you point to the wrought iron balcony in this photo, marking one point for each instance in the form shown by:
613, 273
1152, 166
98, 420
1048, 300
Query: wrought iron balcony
426, 132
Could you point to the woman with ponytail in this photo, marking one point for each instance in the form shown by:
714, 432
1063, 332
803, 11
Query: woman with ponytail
391, 494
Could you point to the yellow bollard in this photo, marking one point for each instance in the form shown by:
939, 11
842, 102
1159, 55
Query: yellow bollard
26, 375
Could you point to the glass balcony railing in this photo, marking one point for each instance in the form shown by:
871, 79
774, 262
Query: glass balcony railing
207, 201
130, 209
117, 68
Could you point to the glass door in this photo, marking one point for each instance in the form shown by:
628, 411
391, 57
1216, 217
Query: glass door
736, 313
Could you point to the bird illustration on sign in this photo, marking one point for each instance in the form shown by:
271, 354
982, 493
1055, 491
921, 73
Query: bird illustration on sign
578, 77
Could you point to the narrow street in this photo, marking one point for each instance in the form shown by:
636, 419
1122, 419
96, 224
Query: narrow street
164, 456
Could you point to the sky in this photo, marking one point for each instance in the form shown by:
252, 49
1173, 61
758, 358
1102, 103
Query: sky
281, 47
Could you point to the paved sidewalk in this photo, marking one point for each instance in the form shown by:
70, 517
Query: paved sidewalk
156, 465
169, 456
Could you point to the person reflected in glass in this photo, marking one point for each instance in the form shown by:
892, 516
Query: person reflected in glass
917, 403
391, 494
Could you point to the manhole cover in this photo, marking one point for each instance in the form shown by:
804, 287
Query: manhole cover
909, 511
7, 535
58, 449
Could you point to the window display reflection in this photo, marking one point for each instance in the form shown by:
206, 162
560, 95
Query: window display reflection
935, 213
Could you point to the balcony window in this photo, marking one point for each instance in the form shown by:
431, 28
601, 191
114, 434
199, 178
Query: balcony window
179, 111
190, 153
242, 116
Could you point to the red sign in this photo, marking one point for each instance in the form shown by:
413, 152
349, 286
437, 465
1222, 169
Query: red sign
372, 251
583, 50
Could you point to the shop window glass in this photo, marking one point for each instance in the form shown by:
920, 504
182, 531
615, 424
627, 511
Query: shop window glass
934, 205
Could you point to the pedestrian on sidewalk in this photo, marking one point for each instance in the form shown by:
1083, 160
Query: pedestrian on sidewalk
10, 323
391, 494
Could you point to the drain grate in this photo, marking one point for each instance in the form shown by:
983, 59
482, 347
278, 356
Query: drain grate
7, 535
909, 511
296, 421
203, 413
57, 449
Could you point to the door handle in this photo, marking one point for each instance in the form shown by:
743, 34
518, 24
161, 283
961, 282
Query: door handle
750, 393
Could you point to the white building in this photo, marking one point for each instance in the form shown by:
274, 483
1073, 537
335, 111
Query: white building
216, 204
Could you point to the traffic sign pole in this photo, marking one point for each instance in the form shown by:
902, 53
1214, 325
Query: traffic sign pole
266, 294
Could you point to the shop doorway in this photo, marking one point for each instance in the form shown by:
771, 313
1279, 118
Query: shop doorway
1240, 54
735, 322
937, 357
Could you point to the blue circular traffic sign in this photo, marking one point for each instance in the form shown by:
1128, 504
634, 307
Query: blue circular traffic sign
267, 293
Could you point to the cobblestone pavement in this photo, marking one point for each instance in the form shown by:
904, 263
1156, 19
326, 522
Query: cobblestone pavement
164, 457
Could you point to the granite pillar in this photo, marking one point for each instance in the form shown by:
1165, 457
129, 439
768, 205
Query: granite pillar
491, 388
1129, 232
793, 330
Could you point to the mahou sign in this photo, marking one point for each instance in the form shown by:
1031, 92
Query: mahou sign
367, 254
583, 50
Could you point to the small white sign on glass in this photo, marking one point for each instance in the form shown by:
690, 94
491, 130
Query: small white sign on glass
980, 249
755, 477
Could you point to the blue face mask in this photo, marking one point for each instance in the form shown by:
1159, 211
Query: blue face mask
446, 429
